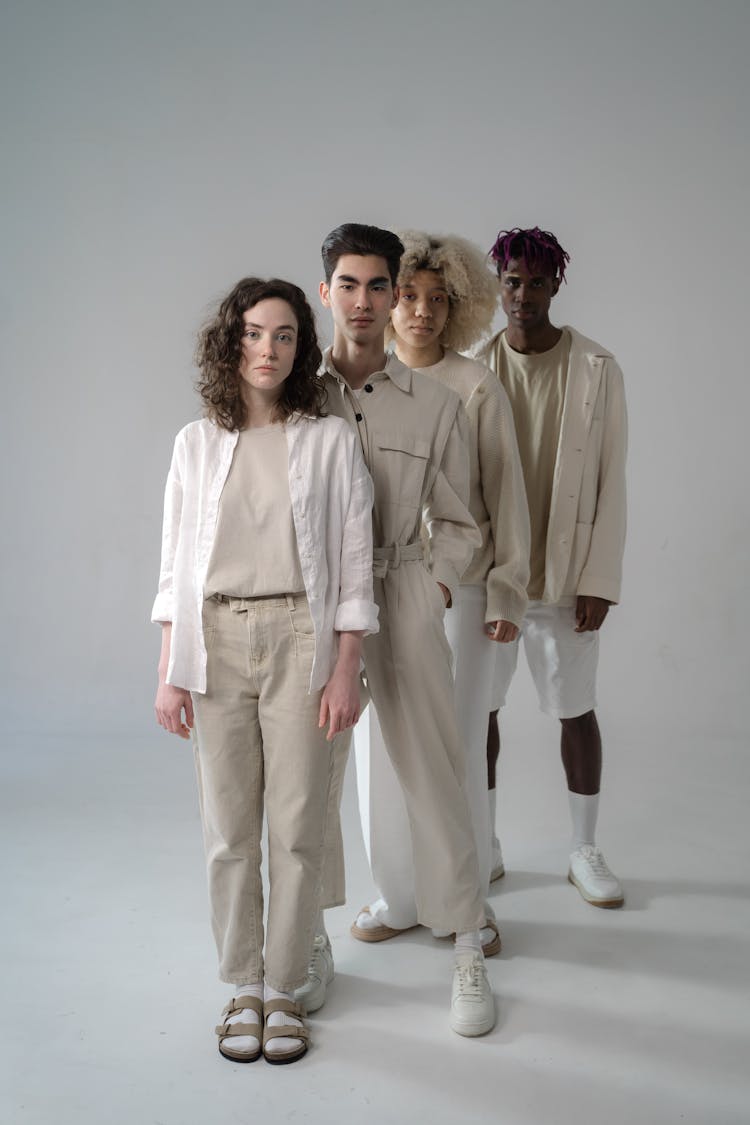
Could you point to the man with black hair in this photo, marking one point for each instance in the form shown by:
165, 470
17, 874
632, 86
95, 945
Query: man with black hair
413, 433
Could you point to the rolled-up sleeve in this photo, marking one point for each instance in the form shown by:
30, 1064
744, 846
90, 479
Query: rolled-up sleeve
356, 611
163, 607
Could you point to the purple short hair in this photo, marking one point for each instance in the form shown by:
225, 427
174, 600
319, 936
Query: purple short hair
538, 248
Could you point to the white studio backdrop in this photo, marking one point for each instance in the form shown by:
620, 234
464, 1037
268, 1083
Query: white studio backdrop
156, 152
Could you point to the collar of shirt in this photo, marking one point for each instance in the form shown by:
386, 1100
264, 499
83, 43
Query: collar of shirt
398, 373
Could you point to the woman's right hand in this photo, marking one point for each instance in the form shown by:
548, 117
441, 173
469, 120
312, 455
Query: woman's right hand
170, 703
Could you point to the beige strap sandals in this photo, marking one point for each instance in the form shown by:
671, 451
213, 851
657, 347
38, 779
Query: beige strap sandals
227, 1030
285, 1031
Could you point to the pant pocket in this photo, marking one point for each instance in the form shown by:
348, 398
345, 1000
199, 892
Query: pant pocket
301, 619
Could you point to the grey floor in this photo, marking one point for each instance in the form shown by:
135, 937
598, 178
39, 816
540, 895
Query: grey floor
636, 1015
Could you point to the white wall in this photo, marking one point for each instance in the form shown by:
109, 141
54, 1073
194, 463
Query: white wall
156, 152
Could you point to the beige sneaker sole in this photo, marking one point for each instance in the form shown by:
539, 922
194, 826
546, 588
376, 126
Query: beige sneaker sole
606, 903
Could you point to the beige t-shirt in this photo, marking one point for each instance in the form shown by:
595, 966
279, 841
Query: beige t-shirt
255, 548
535, 385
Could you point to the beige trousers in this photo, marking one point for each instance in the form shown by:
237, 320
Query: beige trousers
385, 823
409, 678
258, 742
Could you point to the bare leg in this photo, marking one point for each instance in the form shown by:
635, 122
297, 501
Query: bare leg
493, 750
581, 749
493, 753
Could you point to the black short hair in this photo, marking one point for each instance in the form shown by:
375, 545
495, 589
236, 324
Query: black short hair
357, 238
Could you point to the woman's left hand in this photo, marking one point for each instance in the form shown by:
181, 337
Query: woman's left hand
339, 704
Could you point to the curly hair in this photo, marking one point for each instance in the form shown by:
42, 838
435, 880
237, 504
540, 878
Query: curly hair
218, 355
472, 289
538, 248
358, 238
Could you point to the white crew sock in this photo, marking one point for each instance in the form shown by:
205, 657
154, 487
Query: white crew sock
366, 920
278, 1019
583, 812
469, 942
247, 1043
320, 925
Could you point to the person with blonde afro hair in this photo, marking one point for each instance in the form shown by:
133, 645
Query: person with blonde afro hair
447, 300
472, 290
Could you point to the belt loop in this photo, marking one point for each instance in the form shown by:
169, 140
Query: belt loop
396, 555
290, 604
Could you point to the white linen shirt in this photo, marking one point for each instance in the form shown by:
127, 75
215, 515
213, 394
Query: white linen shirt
331, 494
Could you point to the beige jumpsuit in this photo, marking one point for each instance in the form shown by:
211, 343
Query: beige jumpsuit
414, 439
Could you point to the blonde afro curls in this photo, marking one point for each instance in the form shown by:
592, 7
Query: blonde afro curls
472, 289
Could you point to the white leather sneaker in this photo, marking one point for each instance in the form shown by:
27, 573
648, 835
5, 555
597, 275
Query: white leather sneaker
472, 1002
312, 994
589, 873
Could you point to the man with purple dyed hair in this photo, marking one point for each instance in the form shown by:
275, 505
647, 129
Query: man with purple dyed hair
569, 410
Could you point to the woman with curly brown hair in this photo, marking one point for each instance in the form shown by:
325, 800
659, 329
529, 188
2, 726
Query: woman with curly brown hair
264, 596
447, 299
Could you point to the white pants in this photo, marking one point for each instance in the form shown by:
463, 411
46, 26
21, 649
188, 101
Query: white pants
385, 824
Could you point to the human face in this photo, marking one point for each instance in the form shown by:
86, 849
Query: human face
269, 346
360, 296
526, 296
422, 311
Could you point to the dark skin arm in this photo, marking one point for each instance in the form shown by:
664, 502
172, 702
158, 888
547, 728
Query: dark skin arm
590, 613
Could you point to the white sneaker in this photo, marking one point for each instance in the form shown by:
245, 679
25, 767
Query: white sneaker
319, 975
472, 1002
589, 873
498, 867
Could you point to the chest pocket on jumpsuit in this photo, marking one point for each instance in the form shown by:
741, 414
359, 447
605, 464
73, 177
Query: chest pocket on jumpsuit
399, 469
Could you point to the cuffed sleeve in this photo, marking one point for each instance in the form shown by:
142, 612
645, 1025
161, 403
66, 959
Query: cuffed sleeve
356, 609
163, 607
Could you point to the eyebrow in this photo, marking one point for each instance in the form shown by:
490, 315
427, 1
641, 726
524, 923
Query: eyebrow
431, 289
278, 328
356, 280
532, 277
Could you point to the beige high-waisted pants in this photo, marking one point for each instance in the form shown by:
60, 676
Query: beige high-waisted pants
257, 740
385, 823
408, 671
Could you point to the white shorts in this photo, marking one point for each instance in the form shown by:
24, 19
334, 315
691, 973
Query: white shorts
562, 662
